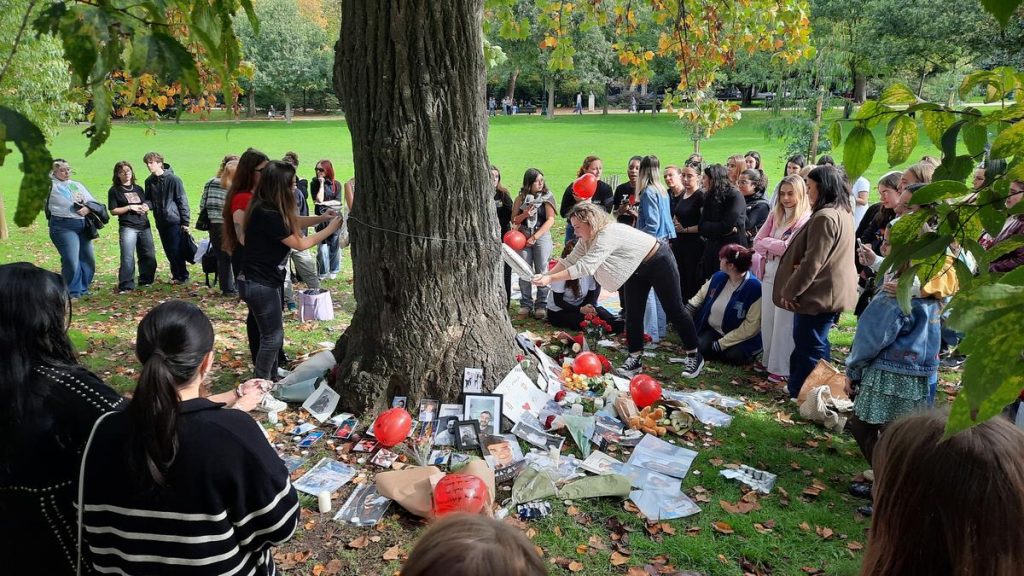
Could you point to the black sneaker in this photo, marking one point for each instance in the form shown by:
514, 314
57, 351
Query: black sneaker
861, 490
952, 362
631, 367
692, 365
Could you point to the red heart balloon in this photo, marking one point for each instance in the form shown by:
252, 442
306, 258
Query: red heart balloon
644, 390
585, 186
514, 239
460, 493
587, 364
392, 427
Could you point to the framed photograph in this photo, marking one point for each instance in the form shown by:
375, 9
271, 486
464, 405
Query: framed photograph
399, 402
428, 410
346, 428
467, 435
445, 434
484, 408
321, 403
450, 410
473, 380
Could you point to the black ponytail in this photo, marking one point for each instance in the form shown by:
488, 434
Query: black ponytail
172, 341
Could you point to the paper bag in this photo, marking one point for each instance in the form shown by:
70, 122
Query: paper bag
409, 487
596, 486
824, 374
315, 304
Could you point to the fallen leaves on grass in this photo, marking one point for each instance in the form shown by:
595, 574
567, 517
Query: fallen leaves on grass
288, 560
784, 419
854, 546
393, 553
805, 527
824, 531
722, 527
815, 489
618, 559
360, 542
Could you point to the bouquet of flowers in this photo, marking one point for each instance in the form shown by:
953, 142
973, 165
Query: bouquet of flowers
594, 327
562, 344
419, 445
582, 383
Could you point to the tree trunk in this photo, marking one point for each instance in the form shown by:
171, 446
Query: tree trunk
812, 151
288, 107
748, 96
860, 88
252, 103
604, 100
425, 249
550, 83
510, 88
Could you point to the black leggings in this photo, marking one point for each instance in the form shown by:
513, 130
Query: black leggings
731, 355
658, 273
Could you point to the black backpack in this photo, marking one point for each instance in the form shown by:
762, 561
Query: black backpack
209, 264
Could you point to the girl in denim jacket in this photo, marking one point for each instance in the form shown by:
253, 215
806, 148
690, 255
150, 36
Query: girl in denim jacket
893, 359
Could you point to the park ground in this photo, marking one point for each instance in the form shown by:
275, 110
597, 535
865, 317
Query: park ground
807, 525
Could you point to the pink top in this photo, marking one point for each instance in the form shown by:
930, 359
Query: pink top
768, 246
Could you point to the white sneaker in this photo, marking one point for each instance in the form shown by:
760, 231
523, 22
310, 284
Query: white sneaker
332, 276
271, 404
282, 373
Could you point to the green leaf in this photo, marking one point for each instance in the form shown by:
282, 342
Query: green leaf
975, 138
898, 94
903, 286
1009, 142
35, 164
992, 218
949, 139
858, 151
103, 106
936, 123
939, 190
1001, 249
165, 57
835, 134
990, 316
901, 139
954, 168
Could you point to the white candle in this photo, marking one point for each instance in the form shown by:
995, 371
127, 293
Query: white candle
324, 499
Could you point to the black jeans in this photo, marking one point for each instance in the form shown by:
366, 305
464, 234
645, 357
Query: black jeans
134, 241
225, 273
659, 273
264, 327
731, 355
170, 237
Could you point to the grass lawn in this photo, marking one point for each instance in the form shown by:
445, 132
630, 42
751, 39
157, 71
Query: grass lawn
793, 532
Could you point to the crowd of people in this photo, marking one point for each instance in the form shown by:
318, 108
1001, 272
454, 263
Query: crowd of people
743, 276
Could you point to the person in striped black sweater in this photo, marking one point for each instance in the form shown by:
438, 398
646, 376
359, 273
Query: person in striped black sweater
178, 484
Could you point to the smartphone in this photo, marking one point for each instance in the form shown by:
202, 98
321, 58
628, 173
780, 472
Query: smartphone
860, 244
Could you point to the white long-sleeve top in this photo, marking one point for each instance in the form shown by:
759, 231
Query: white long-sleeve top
611, 256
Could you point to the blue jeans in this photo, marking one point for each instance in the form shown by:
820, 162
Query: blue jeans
328, 256
77, 263
170, 237
264, 326
133, 240
536, 256
810, 340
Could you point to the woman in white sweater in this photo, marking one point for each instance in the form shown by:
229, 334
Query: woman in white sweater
618, 255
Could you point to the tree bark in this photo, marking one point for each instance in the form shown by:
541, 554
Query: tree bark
812, 151
604, 100
424, 234
252, 103
288, 107
510, 87
550, 83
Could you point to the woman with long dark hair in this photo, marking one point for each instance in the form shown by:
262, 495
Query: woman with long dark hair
325, 188
533, 214
722, 218
654, 218
751, 185
247, 176
503, 206
793, 165
179, 484
48, 403
624, 199
215, 193
271, 227
687, 246
816, 278
127, 200
570, 301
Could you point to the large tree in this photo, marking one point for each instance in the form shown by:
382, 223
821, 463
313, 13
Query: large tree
425, 247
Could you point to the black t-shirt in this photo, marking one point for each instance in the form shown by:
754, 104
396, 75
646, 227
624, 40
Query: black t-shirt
119, 197
265, 255
622, 194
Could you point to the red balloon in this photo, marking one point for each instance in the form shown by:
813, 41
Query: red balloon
585, 186
515, 240
587, 364
644, 390
460, 493
392, 427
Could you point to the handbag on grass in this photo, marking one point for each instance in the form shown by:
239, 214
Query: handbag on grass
315, 304
189, 246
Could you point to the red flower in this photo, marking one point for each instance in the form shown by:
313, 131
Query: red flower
559, 396
606, 366
584, 324
519, 357
549, 420
578, 339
